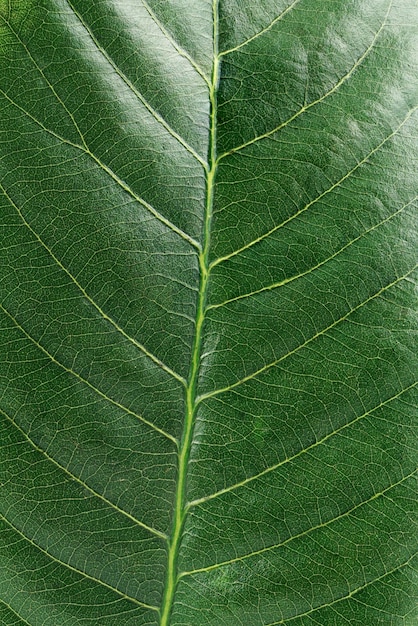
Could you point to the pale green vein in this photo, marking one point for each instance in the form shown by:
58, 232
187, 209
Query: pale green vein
264, 30
118, 180
286, 281
85, 148
346, 597
78, 480
50, 85
330, 189
216, 392
180, 508
86, 382
75, 570
319, 100
305, 533
181, 51
159, 118
19, 617
104, 315
276, 466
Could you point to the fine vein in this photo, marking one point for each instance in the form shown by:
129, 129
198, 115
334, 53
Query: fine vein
85, 148
318, 198
261, 32
75, 569
346, 597
78, 480
304, 533
181, 509
320, 333
319, 100
295, 456
104, 315
159, 118
333, 256
84, 380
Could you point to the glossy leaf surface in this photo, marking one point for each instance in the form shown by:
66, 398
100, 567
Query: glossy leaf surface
208, 312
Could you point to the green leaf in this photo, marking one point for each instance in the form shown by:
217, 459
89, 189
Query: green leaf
208, 312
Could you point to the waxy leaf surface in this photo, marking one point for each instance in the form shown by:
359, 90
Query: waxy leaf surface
208, 312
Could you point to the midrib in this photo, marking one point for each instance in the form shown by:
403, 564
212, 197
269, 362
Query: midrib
180, 510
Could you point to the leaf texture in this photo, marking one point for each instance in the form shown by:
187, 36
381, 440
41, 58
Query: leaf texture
208, 312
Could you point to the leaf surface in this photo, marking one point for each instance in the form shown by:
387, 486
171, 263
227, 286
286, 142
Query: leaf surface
208, 312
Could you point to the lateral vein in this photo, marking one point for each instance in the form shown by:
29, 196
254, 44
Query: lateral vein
346, 597
286, 281
74, 569
272, 468
334, 186
104, 315
85, 148
157, 116
216, 392
261, 32
78, 480
318, 100
304, 533
181, 51
86, 382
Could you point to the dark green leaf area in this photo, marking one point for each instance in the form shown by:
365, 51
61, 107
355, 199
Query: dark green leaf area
287, 327
297, 239
102, 116
73, 525
41, 591
336, 473
299, 61
278, 586
330, 381
8, 616
103, 444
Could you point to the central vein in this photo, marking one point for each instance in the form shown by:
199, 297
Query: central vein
180, 511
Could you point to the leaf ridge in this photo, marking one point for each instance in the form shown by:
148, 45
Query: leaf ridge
86, 382
317, 443
315, 267
121, 183
349, 595
261, 32
78, 480
216, 392
74, 569
157, 116
104, 315
50, 85
299, 535
334, 186
306, 107
181, 51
